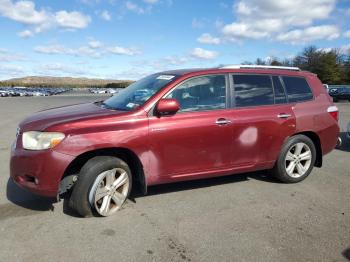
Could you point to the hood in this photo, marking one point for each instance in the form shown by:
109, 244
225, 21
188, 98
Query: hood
50, 117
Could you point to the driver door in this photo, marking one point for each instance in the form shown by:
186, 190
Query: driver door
198, 137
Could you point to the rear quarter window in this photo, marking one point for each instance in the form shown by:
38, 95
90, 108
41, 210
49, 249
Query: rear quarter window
297, 88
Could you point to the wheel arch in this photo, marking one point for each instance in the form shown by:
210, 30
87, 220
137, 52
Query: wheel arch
125, 154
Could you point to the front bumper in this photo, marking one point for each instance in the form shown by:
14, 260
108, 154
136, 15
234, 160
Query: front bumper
39, 172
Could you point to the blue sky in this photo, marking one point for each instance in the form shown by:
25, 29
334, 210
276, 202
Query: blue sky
127, 39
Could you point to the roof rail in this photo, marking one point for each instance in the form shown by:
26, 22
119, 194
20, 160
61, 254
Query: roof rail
260, 67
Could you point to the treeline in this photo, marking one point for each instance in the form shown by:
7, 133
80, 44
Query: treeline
68, 82
331, 66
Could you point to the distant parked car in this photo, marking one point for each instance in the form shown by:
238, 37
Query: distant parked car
340, 93
175, 126
3, 93
326, 87
31, 91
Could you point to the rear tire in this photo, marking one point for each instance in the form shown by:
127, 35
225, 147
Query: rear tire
296, 159
104, 183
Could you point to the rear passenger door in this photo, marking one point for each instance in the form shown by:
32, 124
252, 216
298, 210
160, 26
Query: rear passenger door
261, 118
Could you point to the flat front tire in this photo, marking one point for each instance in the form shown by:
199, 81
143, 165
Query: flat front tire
296, 159
104, 183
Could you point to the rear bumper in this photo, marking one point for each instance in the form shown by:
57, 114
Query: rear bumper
39, 172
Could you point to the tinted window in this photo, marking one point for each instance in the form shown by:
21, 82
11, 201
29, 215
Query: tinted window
297, 89
253, 90
280, 96
201, 93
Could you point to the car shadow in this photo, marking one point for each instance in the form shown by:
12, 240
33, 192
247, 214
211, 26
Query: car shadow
22, 203
22, 198
27, 201
202, 183
345, 142
346, 253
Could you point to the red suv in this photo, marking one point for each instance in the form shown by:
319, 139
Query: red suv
174, 126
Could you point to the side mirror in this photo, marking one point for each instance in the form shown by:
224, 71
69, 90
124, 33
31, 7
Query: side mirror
167, 106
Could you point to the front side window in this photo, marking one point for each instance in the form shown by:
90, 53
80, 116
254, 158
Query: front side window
201, 93
297, 89
139, 92
252, 90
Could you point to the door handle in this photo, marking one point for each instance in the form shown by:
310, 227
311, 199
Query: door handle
284, 115
223, 121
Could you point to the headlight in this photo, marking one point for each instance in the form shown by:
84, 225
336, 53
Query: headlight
34, 140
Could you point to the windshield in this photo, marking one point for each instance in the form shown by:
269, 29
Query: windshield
139, 92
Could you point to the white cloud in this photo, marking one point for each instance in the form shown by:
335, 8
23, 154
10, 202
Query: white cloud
197, 23
7, 56
347, 34
134, 7
56, 49
328, 32
343, 50
151, 1
95, 44
74, 20
94, 49
7, 71
296, 12
347, 11
242, 30
166, 63
208, 39
106, 15
59, 69
118, 50
257, 19
25, 12
53, 49
90, 2
25, 34
201, 53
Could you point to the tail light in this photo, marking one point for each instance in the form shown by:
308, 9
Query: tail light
334, 112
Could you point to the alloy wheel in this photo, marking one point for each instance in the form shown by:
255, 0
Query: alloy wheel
298, 160
109, 191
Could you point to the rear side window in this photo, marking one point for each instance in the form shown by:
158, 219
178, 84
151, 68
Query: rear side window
280, 95
297, 89
253, 90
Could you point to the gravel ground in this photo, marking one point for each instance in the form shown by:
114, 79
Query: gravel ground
247, 217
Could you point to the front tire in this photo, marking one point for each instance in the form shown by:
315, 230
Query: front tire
296, 160
104, 183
